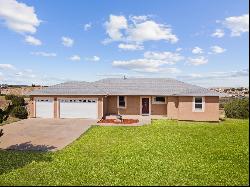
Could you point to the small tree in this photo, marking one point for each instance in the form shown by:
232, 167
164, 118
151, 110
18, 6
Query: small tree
237, 108
1, 115
18, 101
19, 112
1, 132
9, 97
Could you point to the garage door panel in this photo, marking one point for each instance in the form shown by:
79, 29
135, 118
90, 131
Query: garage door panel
44, 108
78, 108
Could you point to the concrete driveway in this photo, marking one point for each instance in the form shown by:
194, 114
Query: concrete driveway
43, 134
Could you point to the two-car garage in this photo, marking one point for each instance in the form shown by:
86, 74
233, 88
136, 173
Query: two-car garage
66, 108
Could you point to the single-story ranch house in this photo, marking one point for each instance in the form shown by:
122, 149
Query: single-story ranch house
126, 96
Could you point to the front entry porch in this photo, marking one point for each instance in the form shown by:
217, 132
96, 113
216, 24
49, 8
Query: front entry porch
135, 106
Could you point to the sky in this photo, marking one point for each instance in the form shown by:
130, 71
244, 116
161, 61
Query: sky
200, 42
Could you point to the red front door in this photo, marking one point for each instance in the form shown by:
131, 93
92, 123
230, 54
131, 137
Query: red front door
145, 105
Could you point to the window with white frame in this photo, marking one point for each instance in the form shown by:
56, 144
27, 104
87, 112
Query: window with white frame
159, 100
121, 102
198, 104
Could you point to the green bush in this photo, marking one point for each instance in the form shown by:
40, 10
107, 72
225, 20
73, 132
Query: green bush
9, 97
19, 112
16, 100
16, 108
237, 108
1, 115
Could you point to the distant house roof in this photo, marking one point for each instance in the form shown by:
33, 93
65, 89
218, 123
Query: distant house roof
128, 86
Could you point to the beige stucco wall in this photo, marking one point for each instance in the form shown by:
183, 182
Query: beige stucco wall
211, 112
132, 108
172, 107
57, 106
30, 108
159, 109
112, 105
105, 106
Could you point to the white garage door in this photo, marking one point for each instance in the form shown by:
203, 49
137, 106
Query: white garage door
44, 108
79, 108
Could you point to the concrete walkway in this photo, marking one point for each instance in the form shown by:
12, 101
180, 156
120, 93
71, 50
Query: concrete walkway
43, 134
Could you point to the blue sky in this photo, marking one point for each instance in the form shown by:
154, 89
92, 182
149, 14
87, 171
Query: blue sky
200, 42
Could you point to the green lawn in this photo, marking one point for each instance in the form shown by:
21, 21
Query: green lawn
164, 153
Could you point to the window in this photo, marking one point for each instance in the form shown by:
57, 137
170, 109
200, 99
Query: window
121, 102
198, 104
159, 100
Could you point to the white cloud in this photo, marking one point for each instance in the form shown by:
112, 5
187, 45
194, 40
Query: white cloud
75, 58
214, 79
197, 50
198, 60
114, 27
217, 49
167, 70
143, 65
219, 33
45, 54
130, 47
28, 70
112, 74
152, 62
87, 26
27, 76
24, 75
93, 59
19, 17
19, 74
150, 30
167, 57
96, 58
140, 30
32, 40
237, 24
138, 19
179, 49
1, 76
7, 67
68, 42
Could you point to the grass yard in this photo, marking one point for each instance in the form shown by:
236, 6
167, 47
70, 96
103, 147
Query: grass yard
164, 153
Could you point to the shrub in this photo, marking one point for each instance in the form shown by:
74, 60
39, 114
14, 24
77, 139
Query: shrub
221, 105
7, 111
237, 108
9, 97
16, 100
1, 115
1, 132
19, 112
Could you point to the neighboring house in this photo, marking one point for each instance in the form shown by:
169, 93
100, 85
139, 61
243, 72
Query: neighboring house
129, 96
